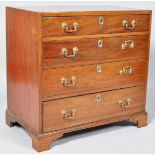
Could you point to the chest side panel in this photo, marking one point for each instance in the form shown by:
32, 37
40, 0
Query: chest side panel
23, 65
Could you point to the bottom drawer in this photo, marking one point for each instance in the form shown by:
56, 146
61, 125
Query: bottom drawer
73, 111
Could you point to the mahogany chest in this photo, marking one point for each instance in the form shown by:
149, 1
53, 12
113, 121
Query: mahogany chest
74, 68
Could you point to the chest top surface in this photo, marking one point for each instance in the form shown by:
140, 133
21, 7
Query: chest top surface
63, 9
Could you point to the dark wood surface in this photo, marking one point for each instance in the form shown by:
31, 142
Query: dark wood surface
83, 9
23, 68
74, 37
35, 66
89, 79
89, 110
89, 52
42, 142
90, 25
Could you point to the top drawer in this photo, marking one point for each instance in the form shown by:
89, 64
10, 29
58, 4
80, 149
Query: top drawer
87, 25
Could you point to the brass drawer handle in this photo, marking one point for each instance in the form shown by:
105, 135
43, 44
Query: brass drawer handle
126, 24
67, 116
72, 81
65, 52
127, 43
125, 104
66, 28
125, 69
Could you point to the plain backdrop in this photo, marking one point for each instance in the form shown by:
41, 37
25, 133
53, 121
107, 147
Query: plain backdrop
116, 138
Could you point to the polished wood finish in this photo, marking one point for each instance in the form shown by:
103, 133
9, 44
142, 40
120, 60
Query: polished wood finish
84, 10
140, 119
89, 51
35, 66
89, 79
95, 36
90, 25
88, 109
23, 65
41, 142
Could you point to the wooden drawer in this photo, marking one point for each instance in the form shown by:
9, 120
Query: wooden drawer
64, 113
86, 51
92, 77
52, 26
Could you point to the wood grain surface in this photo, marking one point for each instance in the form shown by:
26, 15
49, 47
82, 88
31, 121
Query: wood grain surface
89, 52
52, 26
23, 66
35, 66
89, 110
89, 79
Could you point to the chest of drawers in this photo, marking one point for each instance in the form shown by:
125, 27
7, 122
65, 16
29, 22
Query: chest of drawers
70, 70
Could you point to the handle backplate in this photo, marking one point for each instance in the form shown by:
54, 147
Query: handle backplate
125, 24
65, 52
127, 69
72, 83
67, 29
70, 115
127, 43
125, 103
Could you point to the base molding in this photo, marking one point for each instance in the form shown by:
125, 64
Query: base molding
140, 119
42, 141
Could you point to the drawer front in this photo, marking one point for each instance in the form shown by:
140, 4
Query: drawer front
80, 79
68, 112
85, 25
76, 52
